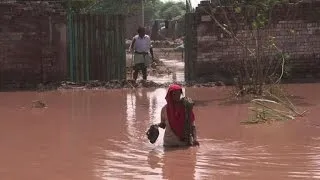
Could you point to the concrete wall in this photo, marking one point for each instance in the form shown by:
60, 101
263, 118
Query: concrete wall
32, 44
295, 28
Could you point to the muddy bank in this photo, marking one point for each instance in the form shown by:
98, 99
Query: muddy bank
116, 84
159, 76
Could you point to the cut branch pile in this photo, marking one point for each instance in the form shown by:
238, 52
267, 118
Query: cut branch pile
273, 106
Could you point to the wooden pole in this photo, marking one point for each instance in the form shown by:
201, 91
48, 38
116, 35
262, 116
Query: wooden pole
142, 12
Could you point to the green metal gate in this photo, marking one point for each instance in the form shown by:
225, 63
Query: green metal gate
96, 47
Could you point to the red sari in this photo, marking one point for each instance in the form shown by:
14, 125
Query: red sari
176, 112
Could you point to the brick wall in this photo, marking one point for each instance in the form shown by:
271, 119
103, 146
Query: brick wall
295, 28
32, 44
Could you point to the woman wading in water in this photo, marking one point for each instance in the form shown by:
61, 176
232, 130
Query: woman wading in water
177, 118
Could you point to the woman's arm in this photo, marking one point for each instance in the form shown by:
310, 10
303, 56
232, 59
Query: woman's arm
162, 124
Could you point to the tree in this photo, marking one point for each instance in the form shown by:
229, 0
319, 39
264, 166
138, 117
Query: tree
170, 10
188, 6
154, 9
76, 5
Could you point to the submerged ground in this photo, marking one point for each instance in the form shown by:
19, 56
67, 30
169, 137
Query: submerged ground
100, 134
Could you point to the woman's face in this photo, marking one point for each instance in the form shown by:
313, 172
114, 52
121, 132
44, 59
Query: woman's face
176, 95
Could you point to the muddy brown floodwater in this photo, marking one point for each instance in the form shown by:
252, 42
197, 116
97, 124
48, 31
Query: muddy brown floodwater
97, 135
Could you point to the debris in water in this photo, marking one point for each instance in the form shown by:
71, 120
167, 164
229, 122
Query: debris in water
38, 104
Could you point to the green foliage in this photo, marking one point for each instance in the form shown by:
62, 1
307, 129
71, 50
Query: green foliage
113, 7
188, 6
150, 9
76, 5
258, 9
261, 9
170, 10
153, 9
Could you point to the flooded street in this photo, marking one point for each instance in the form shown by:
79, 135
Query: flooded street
177, 74
98, 135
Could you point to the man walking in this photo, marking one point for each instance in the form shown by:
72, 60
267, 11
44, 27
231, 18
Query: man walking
141, 46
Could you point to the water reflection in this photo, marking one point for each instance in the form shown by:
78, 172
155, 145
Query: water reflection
131, 115
182, 169
315, 159
155, 159
137, 108
157, 101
